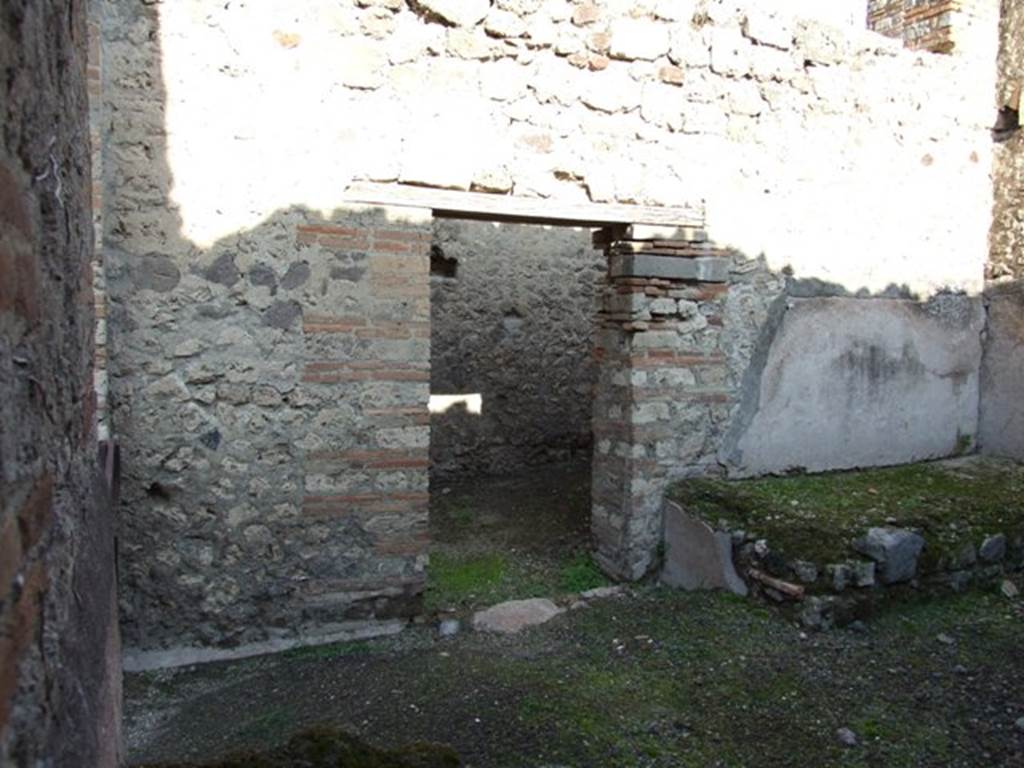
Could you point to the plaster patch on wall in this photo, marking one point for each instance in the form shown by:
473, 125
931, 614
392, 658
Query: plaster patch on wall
861, 382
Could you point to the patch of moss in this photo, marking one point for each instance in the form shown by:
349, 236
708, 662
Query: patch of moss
324, 747
267, 726
581, 573
473, 579
458, 511
817, 517
458, 580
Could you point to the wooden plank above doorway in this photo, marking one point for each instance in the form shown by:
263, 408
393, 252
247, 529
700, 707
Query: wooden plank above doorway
455, 204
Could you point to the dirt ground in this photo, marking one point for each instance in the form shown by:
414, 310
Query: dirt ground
650, 678
502, 538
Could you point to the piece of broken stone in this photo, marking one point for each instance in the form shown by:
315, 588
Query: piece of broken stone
1009, 589
840, 574
600, 592
818, 613
515, 615
448, 627
696, 557
846, 737
993, 549
805, 571
895, 550
862, 572
964, 557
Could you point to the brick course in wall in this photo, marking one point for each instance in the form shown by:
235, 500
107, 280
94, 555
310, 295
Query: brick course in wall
313, 527
939, 26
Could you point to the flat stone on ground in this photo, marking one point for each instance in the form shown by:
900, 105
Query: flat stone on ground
515, 615
598, 593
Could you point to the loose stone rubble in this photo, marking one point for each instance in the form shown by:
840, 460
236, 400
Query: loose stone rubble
838, 591
895, 551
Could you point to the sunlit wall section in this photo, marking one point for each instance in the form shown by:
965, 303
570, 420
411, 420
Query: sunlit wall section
826, 148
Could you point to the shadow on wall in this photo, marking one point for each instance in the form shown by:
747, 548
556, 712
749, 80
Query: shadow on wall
269, 391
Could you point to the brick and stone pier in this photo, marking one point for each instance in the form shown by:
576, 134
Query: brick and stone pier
662, 382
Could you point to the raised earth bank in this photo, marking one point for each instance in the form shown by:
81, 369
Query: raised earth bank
837, 546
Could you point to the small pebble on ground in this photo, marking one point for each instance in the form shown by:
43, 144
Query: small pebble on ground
846, 737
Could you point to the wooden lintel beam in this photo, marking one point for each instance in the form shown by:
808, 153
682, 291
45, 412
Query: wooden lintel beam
449, 203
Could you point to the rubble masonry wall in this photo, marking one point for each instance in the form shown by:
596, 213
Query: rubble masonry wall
275, 479
60, 667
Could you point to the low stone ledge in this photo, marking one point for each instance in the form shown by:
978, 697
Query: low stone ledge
829, 567
138, 660
515, 615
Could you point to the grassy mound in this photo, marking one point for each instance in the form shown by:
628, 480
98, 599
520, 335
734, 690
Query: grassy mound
816, 517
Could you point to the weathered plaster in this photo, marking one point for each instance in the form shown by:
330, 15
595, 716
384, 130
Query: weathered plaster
856, 382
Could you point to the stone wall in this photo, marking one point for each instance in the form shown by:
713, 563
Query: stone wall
59, 654
782, 126
940, 26
1002, 415
220, 308
1007, 239
1002, 373
515, 324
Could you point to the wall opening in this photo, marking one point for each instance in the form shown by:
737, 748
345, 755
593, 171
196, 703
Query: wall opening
442, 266
513, 315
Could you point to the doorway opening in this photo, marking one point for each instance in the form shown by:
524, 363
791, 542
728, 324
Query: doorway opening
513, 317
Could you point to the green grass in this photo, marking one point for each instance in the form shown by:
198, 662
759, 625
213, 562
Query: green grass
330, 650
268, 726
471, 580
324, 747
581, 573
816, 517
459, 580
665, 679
724, 686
